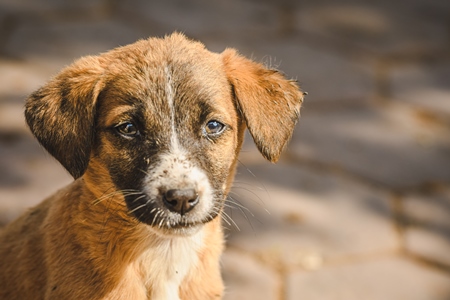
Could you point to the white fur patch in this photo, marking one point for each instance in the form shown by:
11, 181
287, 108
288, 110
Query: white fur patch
168, 262
170, 101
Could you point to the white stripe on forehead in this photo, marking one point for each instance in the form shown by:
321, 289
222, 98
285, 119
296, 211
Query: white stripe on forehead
174, 142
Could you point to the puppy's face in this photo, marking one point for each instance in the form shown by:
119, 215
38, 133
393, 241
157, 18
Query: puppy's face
163, 121
169, 136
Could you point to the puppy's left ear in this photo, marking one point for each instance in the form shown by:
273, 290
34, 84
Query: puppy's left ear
269, 103
61, 114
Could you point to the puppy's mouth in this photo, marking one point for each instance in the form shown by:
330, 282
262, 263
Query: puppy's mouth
168, 214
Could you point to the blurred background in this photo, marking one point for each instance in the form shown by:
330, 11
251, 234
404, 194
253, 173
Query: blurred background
359, 205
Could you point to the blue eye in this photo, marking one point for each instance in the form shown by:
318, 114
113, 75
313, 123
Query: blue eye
127, 129
214, 127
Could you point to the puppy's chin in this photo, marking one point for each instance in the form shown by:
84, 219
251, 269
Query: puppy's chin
176, 231
181, 228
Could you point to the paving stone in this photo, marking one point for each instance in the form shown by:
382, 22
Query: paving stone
423, 86
313, 217
428, 218
12, 120
19, 79
379, 27
379, 279
199, 17
28, 174
6, 24
59, 43
245, 278
387, 145
40, 6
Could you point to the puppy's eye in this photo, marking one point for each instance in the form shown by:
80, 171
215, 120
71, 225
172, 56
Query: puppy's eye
213, 128
127, 129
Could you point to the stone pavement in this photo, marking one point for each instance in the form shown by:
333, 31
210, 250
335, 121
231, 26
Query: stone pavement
359, 205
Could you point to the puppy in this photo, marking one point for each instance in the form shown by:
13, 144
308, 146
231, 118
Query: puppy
151, 134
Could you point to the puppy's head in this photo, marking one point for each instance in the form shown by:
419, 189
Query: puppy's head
161, 122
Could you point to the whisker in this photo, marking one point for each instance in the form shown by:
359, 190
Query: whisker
248, 170
247, 184
124, 192
138, 198
156, 216
240, 207
137, 208
225, 215
229, 206
256, 202
143, 171
233, 201
257, 180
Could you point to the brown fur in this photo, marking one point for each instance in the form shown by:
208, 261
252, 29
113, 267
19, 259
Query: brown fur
82, 243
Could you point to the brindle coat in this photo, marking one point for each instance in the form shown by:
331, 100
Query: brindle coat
128, 125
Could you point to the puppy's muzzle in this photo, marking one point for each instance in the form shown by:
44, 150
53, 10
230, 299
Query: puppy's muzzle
180, 201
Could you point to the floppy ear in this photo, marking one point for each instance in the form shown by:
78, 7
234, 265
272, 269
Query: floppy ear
269, 103
61, 114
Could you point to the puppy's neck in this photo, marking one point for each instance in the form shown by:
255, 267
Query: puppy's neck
167, 261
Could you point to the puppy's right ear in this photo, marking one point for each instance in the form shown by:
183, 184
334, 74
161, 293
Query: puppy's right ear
61, 114
269, 103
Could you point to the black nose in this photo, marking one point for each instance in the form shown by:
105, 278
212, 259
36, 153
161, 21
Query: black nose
180, 201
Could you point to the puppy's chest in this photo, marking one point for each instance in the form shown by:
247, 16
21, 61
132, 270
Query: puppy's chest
165, 265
